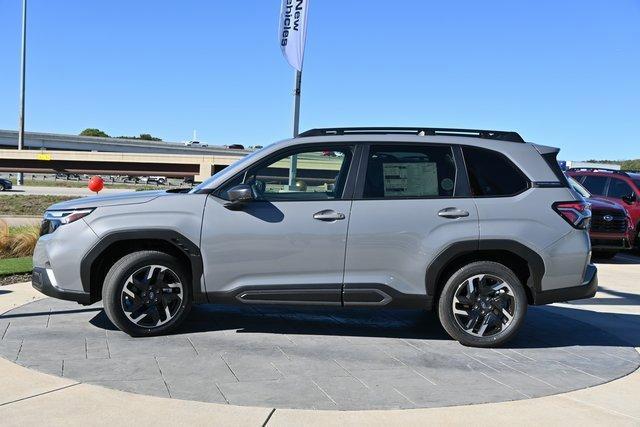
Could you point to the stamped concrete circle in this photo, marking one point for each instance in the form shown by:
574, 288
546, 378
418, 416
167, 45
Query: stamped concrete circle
314, 358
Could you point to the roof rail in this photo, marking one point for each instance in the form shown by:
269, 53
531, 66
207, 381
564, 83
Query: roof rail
473, 133
587, 169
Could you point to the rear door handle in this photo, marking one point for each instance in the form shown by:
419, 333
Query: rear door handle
453, 213
328, 215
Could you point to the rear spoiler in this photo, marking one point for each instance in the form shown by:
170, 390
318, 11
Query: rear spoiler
550, 155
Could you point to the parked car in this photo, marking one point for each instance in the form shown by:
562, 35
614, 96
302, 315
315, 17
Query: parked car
5, 184
622, 187
68, 176
611, 230
158, 180
131, 179
473, 224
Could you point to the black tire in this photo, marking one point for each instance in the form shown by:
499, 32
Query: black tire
117, 277
603, 255
516, 297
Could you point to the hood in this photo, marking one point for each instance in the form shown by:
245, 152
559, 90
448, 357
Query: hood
128, 198
598, 203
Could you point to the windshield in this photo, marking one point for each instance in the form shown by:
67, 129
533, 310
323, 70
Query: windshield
579, 188
207, 182
637, 182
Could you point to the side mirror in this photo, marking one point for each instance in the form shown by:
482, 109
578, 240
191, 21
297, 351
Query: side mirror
239, 195
630, 199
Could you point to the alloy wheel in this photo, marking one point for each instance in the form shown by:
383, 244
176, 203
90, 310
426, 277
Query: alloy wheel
152, 296
484, 305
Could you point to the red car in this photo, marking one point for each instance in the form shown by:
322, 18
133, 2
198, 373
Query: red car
613, 228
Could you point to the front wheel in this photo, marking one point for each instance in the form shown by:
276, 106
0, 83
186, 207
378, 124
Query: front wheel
483, 304
147, 293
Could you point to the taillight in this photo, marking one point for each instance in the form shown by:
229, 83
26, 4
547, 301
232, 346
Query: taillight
576, 213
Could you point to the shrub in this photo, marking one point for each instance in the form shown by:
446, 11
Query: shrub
19, 241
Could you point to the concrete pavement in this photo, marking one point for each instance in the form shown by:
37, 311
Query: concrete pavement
19, 221
30, 397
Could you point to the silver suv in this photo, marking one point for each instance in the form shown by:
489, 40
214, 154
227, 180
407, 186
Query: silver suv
474, 224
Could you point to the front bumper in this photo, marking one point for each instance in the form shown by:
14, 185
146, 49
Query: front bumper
588, 289
41, 280
610, 241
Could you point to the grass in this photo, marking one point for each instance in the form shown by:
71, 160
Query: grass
33, 205
15, 266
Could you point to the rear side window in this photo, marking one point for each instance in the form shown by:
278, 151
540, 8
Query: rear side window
492, 174
405, 171
595, 184
619, 189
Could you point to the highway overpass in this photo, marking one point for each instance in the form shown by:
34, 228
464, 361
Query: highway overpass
52, 141
200, 166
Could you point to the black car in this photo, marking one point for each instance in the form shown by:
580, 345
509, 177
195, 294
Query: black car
5, 184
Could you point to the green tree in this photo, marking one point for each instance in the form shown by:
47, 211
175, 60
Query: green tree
143, 136
148, 137
93, 132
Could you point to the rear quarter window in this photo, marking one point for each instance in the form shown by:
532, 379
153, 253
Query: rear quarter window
491, 174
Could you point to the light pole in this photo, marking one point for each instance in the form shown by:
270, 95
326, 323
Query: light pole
23, 58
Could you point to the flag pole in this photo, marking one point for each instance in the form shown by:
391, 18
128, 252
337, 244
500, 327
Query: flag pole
296, 128
20, 179
296, 104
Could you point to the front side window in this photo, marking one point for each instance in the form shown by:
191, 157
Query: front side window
312, 174
595, 184
492, 174
405, 171
619, 189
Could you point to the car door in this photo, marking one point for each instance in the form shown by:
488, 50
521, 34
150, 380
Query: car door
621, 192
409, 205
288, 245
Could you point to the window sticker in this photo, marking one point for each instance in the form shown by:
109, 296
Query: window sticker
447, 184
410, 179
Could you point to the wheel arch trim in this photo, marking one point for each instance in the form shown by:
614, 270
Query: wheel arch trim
456, 250
178, 241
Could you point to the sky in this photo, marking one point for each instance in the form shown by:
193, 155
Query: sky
561, 73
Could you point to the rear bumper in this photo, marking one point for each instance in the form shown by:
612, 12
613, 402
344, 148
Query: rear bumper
588, 289
41, 281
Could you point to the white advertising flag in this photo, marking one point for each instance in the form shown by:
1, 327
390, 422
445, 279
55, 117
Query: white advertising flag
293, 31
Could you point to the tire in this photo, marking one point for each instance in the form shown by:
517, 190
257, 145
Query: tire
148, 297
603, 255
498, 299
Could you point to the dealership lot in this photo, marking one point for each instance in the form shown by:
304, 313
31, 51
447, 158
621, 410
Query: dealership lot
321, 359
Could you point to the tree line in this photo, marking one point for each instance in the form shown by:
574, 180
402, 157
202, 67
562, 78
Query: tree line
102, 134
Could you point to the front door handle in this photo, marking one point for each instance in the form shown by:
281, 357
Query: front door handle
328, 215
453, 213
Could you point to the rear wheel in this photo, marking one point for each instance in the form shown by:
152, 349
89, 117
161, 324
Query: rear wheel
147, 293
482, 304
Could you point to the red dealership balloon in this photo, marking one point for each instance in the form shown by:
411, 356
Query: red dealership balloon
96, 184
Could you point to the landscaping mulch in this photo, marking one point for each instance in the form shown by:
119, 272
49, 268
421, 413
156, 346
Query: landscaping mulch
15, 278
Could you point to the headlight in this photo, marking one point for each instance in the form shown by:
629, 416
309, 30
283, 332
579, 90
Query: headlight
54, 219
